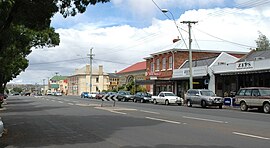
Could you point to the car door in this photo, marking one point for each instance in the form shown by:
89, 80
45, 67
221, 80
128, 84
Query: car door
256, 98
161, 98
248, 97
196, 97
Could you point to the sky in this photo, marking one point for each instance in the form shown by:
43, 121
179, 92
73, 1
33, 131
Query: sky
124, 32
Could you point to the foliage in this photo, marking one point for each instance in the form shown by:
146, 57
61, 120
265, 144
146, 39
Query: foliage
17, 89
262, 42
25, 24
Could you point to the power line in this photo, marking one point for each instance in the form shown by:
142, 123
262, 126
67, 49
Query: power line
173, 20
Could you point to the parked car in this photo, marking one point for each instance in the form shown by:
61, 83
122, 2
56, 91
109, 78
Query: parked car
1, 127
203, 97
167, 98
100, 95
57, 93
25, 94
142, 97
84, 94
92, 95
2, 97
253, 97
124, 96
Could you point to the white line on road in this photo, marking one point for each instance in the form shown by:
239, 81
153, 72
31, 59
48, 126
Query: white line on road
70, 103
60, 102
149, 112
252, 136
164, 120
53, 100
117, 112
202, 119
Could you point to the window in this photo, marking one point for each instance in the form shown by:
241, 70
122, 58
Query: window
255, 92
241, 92
170, 62
248, 92
97, 80
163, 63
152, 67
157, 64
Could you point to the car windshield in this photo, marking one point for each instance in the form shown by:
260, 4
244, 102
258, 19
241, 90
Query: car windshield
169, 94
207, 93
265, 92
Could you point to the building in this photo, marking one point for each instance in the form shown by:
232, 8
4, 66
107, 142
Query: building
80, 81
250, 71
58, 84
202, 70
114, 81
160, 66
132, 73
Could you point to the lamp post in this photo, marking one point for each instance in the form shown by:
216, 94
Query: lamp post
190, 40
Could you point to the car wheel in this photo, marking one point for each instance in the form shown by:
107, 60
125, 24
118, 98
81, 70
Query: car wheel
243, 106
203, 104
220, 107
179, 104
266, 108
142, 100
167, 102
135, 100
155, 101
189, 103
123, 100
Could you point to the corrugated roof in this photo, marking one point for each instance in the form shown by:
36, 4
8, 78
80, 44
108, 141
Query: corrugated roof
200, 62
58, 78
256, 54
113, 75
136, 67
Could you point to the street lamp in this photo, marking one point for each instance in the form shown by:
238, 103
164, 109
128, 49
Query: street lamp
190, 52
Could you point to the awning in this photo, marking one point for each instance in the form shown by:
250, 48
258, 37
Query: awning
144, 82
244, 72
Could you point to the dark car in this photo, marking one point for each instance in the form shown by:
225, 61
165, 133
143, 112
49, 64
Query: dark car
2, 97
142, 97
84, 94
253, 97
124, 96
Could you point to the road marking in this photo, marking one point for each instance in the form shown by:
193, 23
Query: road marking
252, 136
60, 102
117, 112
202, 119
149, 112
70, 103
53, 100
164, 120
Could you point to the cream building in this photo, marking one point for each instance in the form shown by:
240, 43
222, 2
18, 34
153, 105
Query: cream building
80, 81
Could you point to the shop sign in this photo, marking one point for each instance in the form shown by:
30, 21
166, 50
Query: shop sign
153, 73
244, 65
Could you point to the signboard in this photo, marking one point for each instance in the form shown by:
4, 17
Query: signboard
245, 65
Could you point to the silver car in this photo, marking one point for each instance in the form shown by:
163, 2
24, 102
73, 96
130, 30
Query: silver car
203, 97
1, 127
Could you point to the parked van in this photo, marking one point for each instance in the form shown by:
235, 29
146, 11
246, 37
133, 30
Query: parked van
253, 97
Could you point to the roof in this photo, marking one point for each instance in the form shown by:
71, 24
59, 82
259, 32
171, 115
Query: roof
265, 54
58, 78
113, 75
216, 47
135, 67
200, 62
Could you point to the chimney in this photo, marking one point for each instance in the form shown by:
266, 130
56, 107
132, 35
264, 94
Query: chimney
100, 70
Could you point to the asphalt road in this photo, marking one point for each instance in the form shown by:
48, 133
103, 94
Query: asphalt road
69, 121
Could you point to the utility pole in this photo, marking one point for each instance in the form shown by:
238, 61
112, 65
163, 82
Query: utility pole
190, 52
90, 68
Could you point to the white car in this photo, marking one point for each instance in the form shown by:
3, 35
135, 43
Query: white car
1, 127
167, 98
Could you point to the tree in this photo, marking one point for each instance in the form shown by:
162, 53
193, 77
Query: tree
262, 42
25, 24
17, 89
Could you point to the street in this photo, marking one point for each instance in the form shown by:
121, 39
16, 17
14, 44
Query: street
69, 121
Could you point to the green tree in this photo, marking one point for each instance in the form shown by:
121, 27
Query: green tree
17, 89
25, 24
262, 42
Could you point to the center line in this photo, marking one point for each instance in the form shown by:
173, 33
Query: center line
252, 136
149, 112
164, 120
202, 119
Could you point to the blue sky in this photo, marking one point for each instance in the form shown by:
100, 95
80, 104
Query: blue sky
124, 32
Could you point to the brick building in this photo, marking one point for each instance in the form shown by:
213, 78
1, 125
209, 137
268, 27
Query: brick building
160, 66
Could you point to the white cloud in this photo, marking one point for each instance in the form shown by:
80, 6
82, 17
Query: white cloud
120, 46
